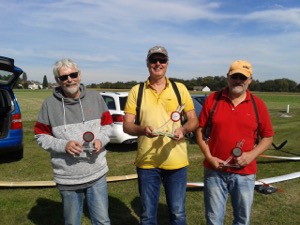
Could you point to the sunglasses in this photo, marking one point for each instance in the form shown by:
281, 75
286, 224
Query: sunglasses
65, 77
240, 76
160, 60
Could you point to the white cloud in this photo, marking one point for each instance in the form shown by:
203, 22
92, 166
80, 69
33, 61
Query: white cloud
111, 38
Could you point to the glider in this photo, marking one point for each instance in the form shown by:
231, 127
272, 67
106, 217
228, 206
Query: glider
261, 185
263, 181
279, 157
53, 184
279, 146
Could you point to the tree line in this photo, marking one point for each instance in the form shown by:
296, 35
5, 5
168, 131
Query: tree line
215, 83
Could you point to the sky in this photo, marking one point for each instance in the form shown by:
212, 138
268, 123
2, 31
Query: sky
109, 39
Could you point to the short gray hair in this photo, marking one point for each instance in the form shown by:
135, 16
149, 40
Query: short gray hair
66, 62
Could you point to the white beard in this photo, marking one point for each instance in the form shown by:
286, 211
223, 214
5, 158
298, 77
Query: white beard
71, 90
237, 89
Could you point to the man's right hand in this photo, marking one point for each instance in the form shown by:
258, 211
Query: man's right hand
74, 147
215, 162
148, 131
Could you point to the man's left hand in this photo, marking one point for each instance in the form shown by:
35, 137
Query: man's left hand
97, 145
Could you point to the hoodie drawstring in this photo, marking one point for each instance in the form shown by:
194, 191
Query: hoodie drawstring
83, 118
64, 112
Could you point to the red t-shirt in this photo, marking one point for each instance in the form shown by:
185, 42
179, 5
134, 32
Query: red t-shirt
232, 125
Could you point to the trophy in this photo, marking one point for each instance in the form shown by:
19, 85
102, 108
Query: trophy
236, 152
87, 146
174, 117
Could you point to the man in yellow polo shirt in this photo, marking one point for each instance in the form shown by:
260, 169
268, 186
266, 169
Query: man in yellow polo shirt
162, 148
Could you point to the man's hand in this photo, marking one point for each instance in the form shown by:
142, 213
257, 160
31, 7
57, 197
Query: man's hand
73, 148
246, 158
148, 131
215, 162
97, 145
179, 133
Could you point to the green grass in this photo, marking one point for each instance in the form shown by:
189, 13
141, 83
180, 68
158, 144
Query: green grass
42, 206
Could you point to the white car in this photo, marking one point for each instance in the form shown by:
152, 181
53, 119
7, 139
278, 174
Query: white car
115, 102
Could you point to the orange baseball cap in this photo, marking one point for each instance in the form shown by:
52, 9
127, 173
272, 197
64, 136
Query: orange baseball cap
240, 66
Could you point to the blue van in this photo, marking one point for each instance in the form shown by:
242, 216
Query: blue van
11, 128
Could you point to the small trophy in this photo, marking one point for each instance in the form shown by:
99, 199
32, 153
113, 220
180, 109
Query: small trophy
174, 117
87, 146
236, 152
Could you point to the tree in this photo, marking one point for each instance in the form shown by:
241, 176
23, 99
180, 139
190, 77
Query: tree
281, 85
268, 86
255, 85
298, 87
24, 76
45, 82
292, 85
93, 85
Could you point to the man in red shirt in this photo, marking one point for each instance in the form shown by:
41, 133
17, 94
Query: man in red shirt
231, 148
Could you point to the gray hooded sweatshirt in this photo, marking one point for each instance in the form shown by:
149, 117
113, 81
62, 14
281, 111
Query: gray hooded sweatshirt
63, 119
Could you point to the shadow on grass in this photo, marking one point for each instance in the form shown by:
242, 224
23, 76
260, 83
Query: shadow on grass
50, 212
162, 212
291, 153
194, 189
47, 212
119, 213
8, 158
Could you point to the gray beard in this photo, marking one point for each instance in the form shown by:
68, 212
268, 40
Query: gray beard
237, 90
71, 90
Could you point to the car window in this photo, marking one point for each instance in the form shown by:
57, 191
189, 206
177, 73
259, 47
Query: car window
110, 102
123, 102
5, 76
201, 99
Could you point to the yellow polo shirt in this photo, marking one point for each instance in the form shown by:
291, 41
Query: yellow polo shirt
162, 151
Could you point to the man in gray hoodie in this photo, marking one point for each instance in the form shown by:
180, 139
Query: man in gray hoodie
74, 125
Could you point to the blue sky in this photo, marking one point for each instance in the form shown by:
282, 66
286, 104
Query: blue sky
109, 39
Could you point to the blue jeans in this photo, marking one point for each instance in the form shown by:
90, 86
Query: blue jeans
217, 185
174, 182
97, 201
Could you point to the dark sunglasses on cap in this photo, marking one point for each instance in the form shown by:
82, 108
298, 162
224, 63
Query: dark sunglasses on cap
238, 75
153, 60
65, 77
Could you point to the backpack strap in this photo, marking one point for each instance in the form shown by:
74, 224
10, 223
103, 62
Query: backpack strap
138, 103
175, 88
257, 119
139, 100
209, 123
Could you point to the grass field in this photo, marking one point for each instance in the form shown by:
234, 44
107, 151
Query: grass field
42, 206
